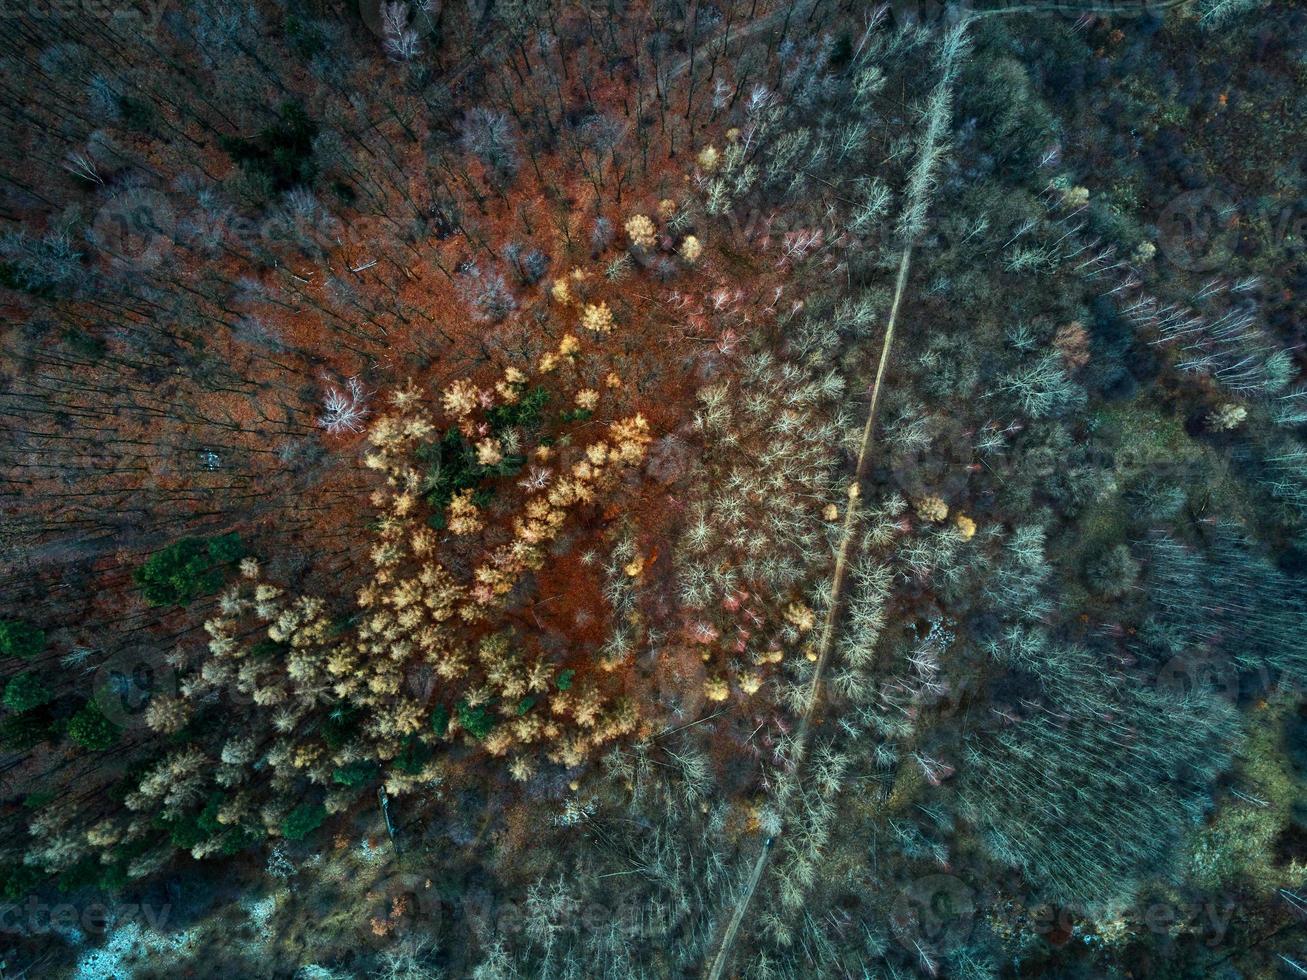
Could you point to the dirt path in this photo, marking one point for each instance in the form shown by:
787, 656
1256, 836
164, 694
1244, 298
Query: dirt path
719, 962
919, 185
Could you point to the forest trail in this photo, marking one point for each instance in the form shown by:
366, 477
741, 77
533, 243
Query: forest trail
719, 962
920, 185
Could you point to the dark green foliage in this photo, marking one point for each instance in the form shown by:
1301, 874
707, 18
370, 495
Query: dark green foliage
414, 756
185, 833
842, 51
477, 721
452, 467
565, 679
13, 277
1111, 224
84, 343
20, 639
187, 569
236, 839
90, 729
281, 156
440, 721
1295, 739
16, 880
189, 830
508, 466
355, 774
138, 114
226, 548
575, 414
84, 874
303, 820
304, 37
268, 649
34, 801
344, 192
114, 878
339, 726
26, 691
526, 411
206, 821
21, 732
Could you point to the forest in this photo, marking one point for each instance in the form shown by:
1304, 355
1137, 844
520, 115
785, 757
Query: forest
623, 489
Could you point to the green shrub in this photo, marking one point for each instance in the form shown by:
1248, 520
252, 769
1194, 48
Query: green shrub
477, 721
187, 569
338, 727
137, 114
303, 820
16, 880
20, 639
413, 758
226, 548
18, 733
186, 831
26, 691
281, 156
452, 467
355, 774
440, 721
90, 729
34, 801
84, 874
526, 411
